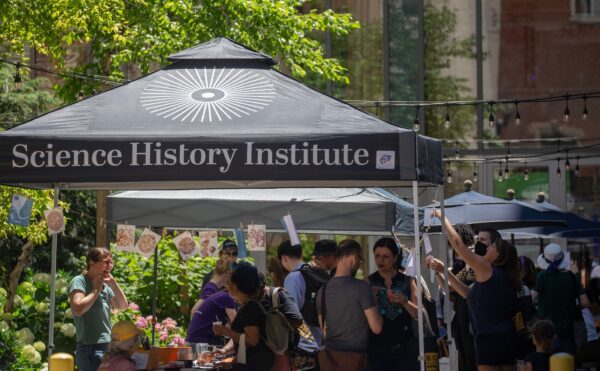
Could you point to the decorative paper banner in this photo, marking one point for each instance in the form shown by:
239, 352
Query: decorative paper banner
20, 210
427, 244
410, 269
288, 224
208, 243
147, 242
257, 237
55, 220
427, 217
186, 245
241, 242
125, 237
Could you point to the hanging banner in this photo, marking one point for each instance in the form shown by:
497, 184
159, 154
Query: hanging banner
146, 243
257, 237
20, 210
208, 243
55, 220
288, 224
241, 242
125, 240
411, 269
186, 245
427, 244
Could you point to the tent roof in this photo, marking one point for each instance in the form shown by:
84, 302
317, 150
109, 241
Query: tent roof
217, 117
313, 209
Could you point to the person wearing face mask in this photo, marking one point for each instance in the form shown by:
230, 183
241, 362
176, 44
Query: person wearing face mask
492, 298
394, 348
461, 324
92, 294
347, 310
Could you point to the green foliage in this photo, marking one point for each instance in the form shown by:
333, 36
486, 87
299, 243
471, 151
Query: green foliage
144, 32
179, 281
26, 328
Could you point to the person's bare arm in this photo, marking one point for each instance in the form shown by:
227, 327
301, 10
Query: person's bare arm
80, 302
230, 314
374, 319
119, 301
483, 269
455, 283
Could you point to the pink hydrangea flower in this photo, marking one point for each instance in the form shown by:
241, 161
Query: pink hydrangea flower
141, 322
134, 306
163, 336
178, 341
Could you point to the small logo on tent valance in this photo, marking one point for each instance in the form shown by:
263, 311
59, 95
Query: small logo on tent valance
386, 160
207, 95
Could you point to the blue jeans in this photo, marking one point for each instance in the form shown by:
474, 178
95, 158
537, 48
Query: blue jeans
88, 357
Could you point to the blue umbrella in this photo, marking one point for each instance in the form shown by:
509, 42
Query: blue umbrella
576, 226
481, 211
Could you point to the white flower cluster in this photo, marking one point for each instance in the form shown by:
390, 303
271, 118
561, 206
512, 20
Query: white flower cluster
42, 308
68, 329
42, 277
25, 336
31, 354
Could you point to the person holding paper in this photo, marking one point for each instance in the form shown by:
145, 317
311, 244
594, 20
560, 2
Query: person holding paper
395, 348
492, 298
92, 294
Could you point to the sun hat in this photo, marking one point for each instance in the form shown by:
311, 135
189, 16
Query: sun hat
553, 258
125, 330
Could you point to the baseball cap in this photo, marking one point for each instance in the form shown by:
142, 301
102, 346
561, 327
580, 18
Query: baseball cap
325, 247
125, 330
228, 245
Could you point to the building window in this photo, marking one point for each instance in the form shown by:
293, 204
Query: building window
585, 11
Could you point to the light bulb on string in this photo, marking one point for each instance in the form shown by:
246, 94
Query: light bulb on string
526, 173
449, 176
558, 172
80, 95
17, 76
577, 166
417, 123
517, 114
567, 111
567, 162
475, 175
500, 175
456, 153
447, 120
584, 114
491, 118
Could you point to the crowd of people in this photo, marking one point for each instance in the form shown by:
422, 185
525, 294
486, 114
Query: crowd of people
505, 313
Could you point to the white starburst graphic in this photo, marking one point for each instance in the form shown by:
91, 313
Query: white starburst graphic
207, 95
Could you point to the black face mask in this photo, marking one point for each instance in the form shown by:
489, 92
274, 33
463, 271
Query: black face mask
480, 248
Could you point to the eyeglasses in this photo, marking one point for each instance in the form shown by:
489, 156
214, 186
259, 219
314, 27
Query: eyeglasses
108, 262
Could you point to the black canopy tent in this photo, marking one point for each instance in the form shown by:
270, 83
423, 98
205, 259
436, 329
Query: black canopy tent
218, 117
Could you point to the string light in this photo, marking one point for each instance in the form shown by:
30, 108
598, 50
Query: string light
447, 120
500, 175
80, 95
449, 175
17, 76
517, 114
577, 167
491, 118
558, 172
417, 123
456, 153
584, 114
475, 177
567, 162
567, 111
526, 173
506, 168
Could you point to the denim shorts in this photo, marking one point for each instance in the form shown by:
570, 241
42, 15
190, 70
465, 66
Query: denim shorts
88, 357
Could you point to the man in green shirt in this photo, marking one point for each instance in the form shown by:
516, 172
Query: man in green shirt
91, 296
557, 291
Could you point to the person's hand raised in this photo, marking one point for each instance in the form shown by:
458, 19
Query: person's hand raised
434, 264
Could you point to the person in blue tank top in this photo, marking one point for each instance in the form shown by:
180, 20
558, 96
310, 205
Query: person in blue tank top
492, 298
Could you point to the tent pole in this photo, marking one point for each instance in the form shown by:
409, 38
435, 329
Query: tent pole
415, 188
154, 292
52, 283
447, 315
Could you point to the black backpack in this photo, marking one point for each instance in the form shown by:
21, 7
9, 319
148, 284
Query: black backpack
314, 279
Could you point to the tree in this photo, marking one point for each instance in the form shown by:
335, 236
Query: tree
143, 33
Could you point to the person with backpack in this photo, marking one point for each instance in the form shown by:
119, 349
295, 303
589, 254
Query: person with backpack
347, 311
302, 283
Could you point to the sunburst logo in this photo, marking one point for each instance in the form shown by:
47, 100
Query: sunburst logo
207, 95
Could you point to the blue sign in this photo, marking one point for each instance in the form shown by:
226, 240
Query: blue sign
20, 210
